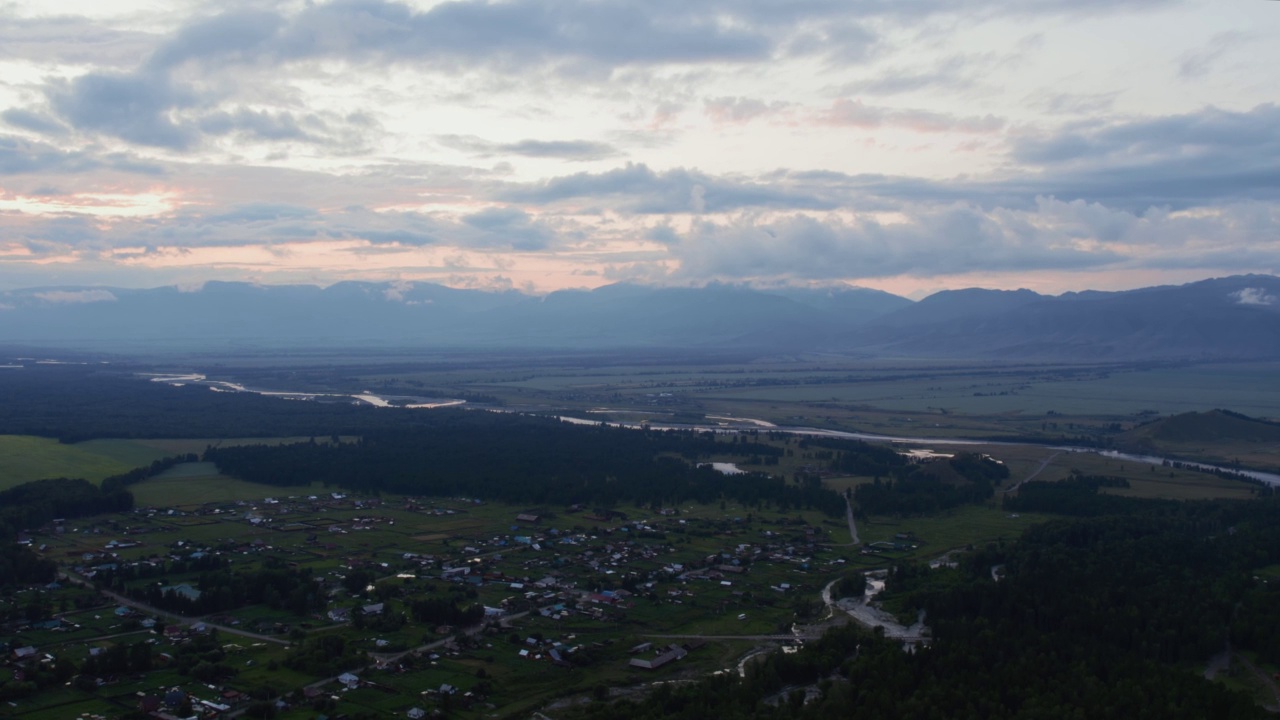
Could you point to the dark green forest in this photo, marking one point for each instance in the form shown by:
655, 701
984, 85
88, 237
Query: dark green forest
1105, 617
526, 460
914, 489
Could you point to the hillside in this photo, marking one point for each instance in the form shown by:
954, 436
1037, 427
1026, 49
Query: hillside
1217, 435
1212, 426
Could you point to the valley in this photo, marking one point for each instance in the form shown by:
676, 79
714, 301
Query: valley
438, 557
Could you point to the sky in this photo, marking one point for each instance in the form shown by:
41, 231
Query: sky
905, 145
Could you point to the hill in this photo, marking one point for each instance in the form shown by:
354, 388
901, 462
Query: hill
1212, 426
1217, 435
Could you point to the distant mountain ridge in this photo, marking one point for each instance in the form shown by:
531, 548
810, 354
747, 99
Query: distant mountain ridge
1225, 318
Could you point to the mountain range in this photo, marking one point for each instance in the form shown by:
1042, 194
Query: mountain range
1224, 318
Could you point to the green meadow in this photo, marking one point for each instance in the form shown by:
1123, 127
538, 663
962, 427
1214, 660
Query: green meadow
24, 458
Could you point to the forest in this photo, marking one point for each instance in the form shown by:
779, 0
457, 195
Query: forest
920, 489
1101, 617
479, 454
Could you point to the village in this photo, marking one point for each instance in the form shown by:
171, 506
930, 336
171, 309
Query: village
329, 605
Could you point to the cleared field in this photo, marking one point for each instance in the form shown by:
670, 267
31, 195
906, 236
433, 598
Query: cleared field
24, 458
952, 529
196, 484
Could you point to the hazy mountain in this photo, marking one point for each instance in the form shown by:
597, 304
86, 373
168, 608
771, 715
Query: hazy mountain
856, 304
423, 314
1237, 317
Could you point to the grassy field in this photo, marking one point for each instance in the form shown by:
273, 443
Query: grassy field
953, 529
191, 484
24, 458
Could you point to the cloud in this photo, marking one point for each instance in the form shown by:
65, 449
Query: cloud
1177, 160
150, 109
1198, 63
564, 149
932, 240
33, 121
1155, 139
736, 110
512, 33
262, 212
19, 156
637, 188
512, 227
1075, 103
949, 74
70, 40
939, 241
237, 36
1253, 296
853, 113
571, 150
132, 107
260, 124
175, 96
73, 297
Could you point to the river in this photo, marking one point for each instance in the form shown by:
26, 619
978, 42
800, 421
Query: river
1266, 478
730, 425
